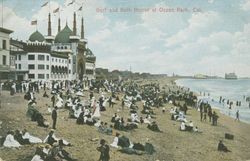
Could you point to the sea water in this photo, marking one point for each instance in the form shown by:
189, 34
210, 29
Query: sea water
232, 90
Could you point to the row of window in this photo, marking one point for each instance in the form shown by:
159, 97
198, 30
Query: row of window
32, 66
42, 57
42, 76
39, 76
60, 60
39, 66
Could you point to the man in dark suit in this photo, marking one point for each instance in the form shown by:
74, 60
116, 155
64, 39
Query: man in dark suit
54, 117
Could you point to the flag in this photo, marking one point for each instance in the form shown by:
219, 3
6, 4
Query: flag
44, 4
34, 22
71, 2
56, 10
80, 8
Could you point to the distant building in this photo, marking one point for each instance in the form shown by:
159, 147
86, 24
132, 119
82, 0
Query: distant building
61, 57
200, 76
231, 76
5, 60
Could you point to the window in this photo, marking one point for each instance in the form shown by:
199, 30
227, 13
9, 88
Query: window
65, 47
16, 66
4, 44
69, 71
47, 76
40, 66
56, 60
31, 57
41, 57
19, 57
40, 76
47, 66
16, 57
47, 58
52, 59
31, 66
19, 66
69, 61
31, 76
4, 59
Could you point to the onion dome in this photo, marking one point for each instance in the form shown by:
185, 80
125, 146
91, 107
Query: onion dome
36, 36
64, 35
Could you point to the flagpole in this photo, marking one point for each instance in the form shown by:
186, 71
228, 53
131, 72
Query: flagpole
2, 13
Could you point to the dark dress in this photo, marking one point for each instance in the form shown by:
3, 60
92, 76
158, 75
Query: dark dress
104, 149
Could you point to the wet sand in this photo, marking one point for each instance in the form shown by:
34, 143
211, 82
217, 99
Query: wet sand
170, 145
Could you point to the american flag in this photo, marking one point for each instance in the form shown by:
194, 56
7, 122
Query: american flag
44, 4
56, 10
34, 22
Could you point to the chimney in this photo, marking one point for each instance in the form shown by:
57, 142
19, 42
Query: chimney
59, 24
82, 30
74, 25
49, 26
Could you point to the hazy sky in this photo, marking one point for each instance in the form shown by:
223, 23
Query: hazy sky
210, 37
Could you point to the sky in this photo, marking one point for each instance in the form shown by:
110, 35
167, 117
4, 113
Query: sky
184, 37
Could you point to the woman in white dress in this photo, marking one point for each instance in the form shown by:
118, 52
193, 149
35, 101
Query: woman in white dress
10, 142
115, 142
32, 139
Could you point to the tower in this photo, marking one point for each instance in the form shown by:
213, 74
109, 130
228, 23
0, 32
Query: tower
49, 26
74, 25
82, 29
59, 24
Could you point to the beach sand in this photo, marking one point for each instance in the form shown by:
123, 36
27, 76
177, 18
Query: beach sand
171, 145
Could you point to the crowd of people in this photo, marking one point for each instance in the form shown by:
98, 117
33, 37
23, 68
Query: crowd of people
87, 110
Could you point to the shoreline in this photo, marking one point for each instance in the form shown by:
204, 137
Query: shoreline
218, 108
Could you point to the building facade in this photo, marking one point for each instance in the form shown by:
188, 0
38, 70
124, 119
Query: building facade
61, 57
6, 64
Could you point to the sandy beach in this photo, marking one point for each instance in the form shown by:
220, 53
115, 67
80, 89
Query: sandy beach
171, 145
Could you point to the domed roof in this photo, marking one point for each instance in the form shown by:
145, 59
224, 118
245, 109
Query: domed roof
36, 36
63, 36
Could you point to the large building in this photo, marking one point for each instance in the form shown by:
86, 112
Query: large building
61, 57
6, 62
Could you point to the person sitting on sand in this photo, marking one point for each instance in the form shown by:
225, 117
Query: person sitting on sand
10, 141
39, 155
101, 127
154, 127
63, 154
190, 126
183, 126
45, 95
32, 139
51, 139
115, 142
222, 147
109, 130
195, 129
19, 137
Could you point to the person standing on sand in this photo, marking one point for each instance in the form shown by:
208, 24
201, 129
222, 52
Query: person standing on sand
53, 99
104, 149
54, 117
214, 118
237, 116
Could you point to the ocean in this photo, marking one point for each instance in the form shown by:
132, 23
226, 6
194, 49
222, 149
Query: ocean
233, 90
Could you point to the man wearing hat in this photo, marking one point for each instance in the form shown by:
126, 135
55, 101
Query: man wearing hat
104, 149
